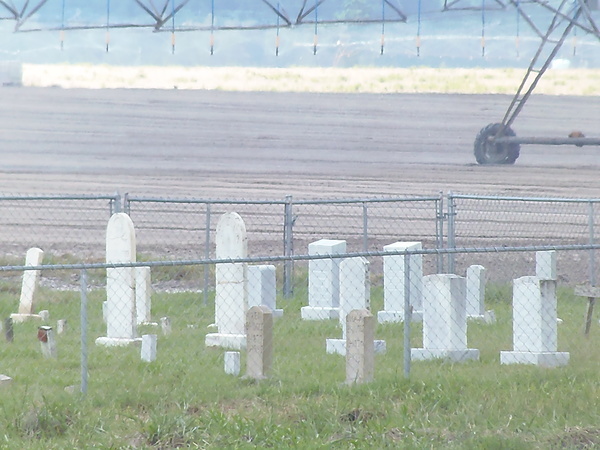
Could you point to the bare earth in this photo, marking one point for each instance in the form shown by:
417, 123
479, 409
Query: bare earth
212, 142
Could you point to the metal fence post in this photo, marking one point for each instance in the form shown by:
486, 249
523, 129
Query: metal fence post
592, 252
116, 204
440, 232
84, 324
451, 231
365, 228
206, 255
288, 247
407, 315
126, 204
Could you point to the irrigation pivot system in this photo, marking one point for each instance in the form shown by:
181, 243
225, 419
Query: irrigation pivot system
497, 143
549, 21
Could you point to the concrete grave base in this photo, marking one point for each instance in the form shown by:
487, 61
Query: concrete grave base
423, 354
232, 341
20, 318
338, 346
117, 342
489, 317
542, 359
319, 313
398, 316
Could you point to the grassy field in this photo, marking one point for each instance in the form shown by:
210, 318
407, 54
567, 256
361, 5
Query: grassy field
306, 79
184, 399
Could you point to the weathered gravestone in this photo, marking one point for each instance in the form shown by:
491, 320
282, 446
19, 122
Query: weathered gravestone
259, 345
323, 281
395, 287
355, 293
29, 287
444, 320
231, 296
121, 323
360, 346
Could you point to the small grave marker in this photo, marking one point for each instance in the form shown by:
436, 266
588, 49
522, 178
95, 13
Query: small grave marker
259, 344
232, 363
47, 341
148, 351
360, 346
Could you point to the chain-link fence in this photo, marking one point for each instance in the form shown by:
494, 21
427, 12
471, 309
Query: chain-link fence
475, 221
98, 312
70, 227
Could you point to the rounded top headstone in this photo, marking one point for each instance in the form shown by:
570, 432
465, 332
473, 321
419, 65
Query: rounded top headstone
120, 239
231, 240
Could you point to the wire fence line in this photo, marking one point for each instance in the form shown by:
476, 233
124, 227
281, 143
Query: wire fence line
73, 227
538, 318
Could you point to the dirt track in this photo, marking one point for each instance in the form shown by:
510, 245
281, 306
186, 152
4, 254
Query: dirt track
213, 144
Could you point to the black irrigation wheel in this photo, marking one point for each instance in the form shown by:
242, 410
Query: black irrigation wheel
487, 152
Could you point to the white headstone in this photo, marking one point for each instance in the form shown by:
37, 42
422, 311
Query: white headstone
148, 352
476, 292
262, 288
545, 265
323, 281
29, 286
355, 293
143, 295
120, 282
444, 320
231, 297
232, 363
535, 332
394, 287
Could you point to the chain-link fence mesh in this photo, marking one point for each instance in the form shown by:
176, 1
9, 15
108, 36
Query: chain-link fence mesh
71, 227
483, 221
92, 313
185, 228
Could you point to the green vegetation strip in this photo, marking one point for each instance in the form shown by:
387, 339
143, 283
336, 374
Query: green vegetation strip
184, 398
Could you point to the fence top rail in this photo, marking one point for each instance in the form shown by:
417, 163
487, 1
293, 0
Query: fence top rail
524, 199
264, 259
280, 202
366, 200
59, 197
203, 201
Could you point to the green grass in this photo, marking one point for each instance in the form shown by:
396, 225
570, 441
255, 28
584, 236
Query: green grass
184, 399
